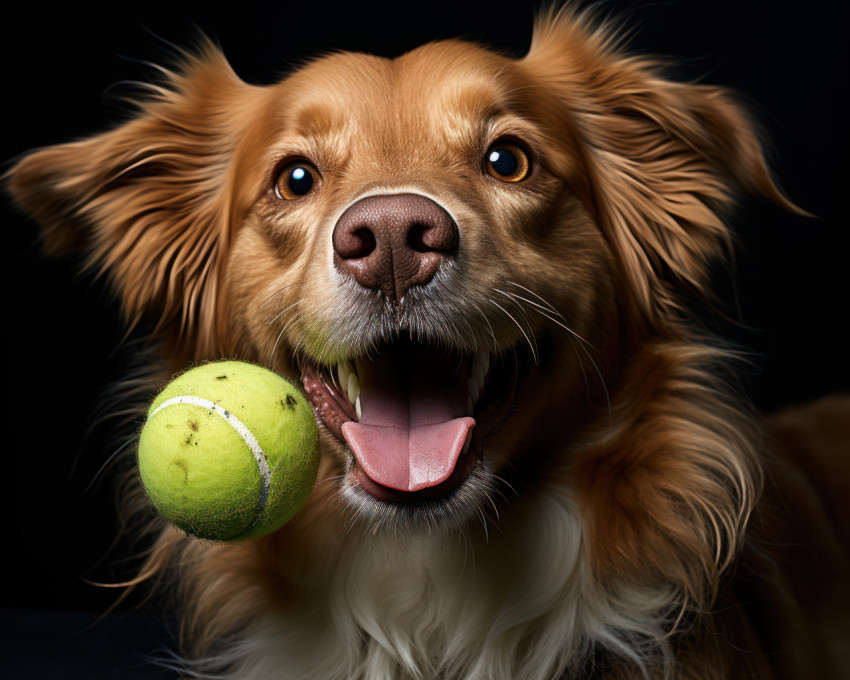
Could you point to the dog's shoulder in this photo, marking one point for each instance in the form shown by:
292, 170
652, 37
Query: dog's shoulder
795, 564
808, 450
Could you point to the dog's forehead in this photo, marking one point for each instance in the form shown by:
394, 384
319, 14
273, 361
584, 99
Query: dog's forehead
447, 85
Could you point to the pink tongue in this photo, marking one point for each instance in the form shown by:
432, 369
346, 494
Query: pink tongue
412, 428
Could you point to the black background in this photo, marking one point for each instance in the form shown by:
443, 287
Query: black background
63, 70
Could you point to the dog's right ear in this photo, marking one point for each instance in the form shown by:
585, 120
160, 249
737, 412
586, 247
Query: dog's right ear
151, 203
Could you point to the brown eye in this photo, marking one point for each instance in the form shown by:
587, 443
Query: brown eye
507, 161
296, 180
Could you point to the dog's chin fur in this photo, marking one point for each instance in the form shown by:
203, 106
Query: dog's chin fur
607, 501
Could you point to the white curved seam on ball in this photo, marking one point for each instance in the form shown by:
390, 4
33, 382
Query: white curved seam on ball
241, 429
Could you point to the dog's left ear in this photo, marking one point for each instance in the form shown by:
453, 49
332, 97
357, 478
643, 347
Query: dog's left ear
666, 159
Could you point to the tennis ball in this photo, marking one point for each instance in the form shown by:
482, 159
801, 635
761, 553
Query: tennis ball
229, 451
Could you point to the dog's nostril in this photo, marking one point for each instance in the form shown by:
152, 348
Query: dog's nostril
355, 243
421, 239
440, 236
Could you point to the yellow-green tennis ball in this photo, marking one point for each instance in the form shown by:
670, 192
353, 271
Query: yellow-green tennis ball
229, 451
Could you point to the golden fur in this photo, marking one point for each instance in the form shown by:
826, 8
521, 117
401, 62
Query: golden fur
611, 515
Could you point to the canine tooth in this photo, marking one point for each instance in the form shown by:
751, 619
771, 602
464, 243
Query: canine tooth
357, 409
353, 388
343, 371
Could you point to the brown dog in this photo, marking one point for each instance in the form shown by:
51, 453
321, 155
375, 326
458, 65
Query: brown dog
480, 268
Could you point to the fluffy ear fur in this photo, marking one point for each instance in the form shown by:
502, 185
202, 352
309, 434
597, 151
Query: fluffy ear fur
666, 158
148, 202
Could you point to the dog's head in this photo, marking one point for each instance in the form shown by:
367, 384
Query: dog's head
459, 252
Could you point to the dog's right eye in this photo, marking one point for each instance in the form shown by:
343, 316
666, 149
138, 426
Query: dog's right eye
296, 180
507, 161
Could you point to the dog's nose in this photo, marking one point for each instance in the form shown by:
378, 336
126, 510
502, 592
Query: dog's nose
393, 242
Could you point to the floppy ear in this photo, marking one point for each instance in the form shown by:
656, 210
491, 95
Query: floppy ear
149, 202
666, 158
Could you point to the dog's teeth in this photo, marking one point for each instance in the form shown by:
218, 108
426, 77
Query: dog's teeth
357, 409
469, 407
343, 371
353, 388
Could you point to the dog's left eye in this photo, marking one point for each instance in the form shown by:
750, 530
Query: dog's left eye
295, 180
507, 161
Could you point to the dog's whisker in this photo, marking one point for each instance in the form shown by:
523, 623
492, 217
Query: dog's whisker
284, 288
332, 479
470, 332
279, 336
500, 481
296, 318
489, 325
559, 323
552, 314
583, 344
483, 518
573, 337
520, 308
284, 311
601, 382
494, 480
543, 304
532, 345
543, 300
301, 341
583, 372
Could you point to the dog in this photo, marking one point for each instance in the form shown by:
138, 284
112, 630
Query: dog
483, 271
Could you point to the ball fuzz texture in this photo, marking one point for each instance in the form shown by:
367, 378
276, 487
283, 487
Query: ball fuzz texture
229, 451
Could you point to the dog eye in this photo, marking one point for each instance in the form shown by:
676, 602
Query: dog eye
507, 161
295, 180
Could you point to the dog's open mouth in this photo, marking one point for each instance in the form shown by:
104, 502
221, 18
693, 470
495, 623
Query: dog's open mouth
412, 414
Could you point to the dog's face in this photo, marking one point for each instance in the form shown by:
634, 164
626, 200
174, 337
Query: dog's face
464, 256
414, 231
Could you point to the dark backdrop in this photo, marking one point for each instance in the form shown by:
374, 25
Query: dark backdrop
63, 70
